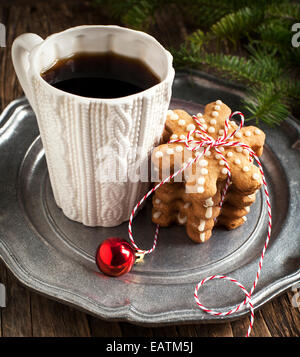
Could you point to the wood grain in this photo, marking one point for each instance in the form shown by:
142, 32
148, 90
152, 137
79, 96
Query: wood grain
29, 314
16, 316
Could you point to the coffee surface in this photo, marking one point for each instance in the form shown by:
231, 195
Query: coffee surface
100, 75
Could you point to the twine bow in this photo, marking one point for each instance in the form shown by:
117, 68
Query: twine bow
207, 142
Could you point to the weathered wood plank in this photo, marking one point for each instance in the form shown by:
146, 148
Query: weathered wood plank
102, 328
130, 330
281, 318
199, 330
169, 27
165, 331
16, 316
219, 330
53, 319
260, 328
205, 330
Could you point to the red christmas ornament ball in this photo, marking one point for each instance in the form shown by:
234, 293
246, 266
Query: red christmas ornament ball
115, 256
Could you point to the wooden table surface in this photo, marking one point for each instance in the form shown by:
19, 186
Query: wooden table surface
30, 314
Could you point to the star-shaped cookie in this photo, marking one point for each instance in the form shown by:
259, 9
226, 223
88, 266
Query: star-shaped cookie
193, 197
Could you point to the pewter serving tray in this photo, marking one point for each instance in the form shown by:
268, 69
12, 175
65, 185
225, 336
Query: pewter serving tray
55, 256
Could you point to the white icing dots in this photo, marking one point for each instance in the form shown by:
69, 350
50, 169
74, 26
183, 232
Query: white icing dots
181, 220
256, 176
218, 156
200, 189
201, 226
257, 131
221, 132
190, 127
238, 135
245, 151
238, 149
244, 218
208, 153
198, 135
209, 202
199, 115
215, 114
247, 209
204, 171
208, 212
202, 120
156, 214
248, 133
179, 148
222, 162
229, 154
204, 126
174, 136
246, 169
182, 137
217, 107
202, 237
157, 201
181, 122
213, 122
158, 154
221, 148
201, 180
224, 171
170, 151
172, 115
203, 162
237, 161
218, 102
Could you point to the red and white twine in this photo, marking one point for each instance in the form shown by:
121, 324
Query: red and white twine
207, 142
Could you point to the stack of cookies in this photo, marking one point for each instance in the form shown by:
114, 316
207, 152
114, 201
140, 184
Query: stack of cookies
193, 197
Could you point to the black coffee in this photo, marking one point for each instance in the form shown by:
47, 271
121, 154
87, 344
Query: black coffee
100, 75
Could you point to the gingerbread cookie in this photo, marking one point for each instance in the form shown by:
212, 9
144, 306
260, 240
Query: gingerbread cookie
193, 197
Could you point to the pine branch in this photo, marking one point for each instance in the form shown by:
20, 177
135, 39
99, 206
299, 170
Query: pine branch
275, 34
290, 89
133, 13
205, 13
139, 16
258, 69
267, 96
237, 25
266, 104
284, 10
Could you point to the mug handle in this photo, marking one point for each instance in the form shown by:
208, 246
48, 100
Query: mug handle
20, 51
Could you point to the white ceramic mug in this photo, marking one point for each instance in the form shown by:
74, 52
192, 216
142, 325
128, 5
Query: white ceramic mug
75, 129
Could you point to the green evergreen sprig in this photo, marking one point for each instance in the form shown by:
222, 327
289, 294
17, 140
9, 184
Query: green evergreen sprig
248, 41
